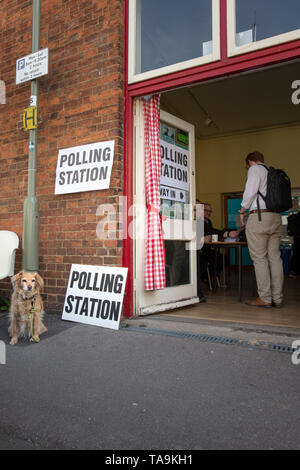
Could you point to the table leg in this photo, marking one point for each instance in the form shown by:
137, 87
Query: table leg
215, 269
224, 267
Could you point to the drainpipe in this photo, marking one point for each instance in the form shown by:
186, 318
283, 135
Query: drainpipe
31, 206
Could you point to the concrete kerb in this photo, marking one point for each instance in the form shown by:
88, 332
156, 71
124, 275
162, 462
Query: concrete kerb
263, 337
271, 338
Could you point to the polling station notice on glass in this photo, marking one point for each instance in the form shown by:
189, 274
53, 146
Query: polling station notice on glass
175, 166
84, 168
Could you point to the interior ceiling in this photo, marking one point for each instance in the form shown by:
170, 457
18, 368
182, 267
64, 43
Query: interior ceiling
238, 103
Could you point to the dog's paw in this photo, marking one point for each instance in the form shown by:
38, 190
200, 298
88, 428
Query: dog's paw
35, 339
13, 341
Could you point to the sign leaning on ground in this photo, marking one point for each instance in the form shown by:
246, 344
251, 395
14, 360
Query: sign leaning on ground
84, 168
95, 295
32, 66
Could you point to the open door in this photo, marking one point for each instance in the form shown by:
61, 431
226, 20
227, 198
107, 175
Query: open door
177, 140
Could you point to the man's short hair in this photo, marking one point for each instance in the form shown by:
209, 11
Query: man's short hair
255, 157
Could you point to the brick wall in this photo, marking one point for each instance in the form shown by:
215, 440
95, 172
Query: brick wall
80, 102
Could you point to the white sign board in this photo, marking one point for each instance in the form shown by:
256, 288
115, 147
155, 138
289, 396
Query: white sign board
84, 168
32, 66
173, 194
175, 166
95, 295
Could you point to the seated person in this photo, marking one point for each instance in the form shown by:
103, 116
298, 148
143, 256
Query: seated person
210, 230
207, 256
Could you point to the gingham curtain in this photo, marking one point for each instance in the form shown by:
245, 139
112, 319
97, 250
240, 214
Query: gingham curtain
155, 277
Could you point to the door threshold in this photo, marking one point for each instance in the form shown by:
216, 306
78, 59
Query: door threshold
242, 331
154, 309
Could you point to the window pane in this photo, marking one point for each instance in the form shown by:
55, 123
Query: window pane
177, 263
262, 19
172, 31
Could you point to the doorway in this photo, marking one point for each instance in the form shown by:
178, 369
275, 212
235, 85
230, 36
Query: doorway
231, 117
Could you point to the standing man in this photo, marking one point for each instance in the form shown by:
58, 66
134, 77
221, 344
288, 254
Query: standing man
263, 236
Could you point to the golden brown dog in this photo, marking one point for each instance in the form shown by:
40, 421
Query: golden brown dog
25, 299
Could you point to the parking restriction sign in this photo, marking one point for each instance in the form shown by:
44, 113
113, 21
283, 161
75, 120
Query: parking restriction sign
32, 66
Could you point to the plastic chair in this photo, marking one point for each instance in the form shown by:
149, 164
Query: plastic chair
9, 243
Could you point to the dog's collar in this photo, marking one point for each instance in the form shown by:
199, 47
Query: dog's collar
23, 297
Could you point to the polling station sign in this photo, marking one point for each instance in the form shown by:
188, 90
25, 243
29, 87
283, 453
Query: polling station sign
84, 168
95, 295
175, 166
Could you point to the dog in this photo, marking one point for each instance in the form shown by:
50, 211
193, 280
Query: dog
26, 299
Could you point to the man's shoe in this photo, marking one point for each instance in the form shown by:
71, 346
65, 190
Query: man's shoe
258, 303
202, 300
277, 304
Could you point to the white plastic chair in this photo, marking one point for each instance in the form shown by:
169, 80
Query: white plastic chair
9, 243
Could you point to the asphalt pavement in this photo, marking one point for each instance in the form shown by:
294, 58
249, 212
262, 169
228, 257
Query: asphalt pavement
142, 387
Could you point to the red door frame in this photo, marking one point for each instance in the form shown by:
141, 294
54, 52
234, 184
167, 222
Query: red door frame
221, 68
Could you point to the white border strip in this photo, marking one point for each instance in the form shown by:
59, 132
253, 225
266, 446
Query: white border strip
234, 50
133, 78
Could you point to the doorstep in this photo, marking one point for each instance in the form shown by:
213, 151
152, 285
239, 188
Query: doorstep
241, 331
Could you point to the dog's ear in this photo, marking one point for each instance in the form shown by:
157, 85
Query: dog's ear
17, 277
39, 280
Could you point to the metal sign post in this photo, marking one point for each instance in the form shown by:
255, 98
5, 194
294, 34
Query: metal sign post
31, 206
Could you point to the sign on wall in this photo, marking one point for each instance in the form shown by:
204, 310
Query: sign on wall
95, 295
30, 118
32, 66
84, 168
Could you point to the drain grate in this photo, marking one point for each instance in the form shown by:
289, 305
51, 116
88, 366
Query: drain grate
280, 348
267, 346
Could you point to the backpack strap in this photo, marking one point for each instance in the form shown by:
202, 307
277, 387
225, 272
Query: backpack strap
258, 207
260, 194
262, 164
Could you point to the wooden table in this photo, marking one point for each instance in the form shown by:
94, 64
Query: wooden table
238, 246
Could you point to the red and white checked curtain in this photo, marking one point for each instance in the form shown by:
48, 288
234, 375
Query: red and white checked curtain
155, 277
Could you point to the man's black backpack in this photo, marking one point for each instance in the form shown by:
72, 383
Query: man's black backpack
293, 226
279, 194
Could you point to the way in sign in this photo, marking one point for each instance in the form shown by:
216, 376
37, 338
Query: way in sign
167, 192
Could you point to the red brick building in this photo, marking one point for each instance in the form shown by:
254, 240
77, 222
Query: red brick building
229, 78
80, 101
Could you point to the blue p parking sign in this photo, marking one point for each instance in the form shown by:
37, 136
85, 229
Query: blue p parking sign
21, 64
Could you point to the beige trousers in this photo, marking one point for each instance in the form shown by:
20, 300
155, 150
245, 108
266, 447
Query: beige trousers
264, 246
